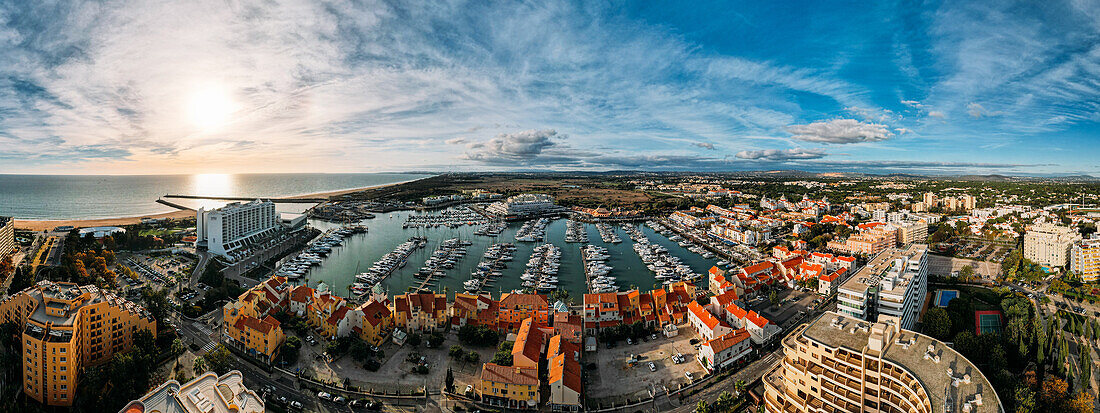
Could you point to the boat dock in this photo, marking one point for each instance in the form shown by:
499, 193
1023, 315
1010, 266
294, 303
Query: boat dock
173, 205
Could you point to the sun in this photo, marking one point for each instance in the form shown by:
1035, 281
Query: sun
210, 108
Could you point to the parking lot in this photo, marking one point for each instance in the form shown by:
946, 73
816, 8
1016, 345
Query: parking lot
791, 304
614, 379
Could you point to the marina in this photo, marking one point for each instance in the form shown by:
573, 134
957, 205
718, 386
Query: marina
387, 232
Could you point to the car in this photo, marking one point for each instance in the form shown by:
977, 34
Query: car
295, 404
324, 396
652, 367
268, 389
357, 403
374, 405
689, 376
469, 389
629, 341
653, 336
339, 399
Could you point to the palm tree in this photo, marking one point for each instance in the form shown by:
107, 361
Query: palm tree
739, 387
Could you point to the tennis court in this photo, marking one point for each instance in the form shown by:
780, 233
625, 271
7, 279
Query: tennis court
988, 321
943, 297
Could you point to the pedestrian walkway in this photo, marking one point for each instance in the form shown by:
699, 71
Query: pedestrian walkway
209, 346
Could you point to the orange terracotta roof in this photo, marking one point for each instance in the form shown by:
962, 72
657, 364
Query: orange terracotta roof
565, 370
703, 315
528, 341
511, 301
736, 311
375, 312
729, 340
756, 319
301, 294
725, 298
253, 323
337, 315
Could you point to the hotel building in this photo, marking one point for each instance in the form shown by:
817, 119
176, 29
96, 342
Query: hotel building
225, 230
1047, 244
65, 328
523, 205
7, 236
893, 283
207, 393
1084, 259
838, 363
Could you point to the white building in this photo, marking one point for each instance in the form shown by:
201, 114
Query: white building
894, 283
225, 230
1047, 244
100, 232
723, 351
523, 205
207, 393
7, 236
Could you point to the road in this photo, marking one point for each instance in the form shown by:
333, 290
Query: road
749, 374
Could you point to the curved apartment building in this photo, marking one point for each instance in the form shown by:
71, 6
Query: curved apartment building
839, 363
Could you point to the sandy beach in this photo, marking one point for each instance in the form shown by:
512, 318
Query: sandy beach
39, 225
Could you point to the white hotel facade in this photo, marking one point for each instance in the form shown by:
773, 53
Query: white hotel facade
893, 283
225, 230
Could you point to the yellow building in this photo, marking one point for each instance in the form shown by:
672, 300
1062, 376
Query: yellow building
419, 312
376, 322
67, 327
258, 337
1084, 259
840, 363
509, 387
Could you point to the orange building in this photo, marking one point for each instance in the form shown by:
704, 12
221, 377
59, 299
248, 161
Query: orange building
514, 308
67, 327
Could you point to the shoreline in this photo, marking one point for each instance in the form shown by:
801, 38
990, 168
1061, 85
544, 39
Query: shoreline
49, 224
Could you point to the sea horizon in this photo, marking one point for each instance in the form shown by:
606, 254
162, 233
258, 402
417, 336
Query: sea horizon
79, 197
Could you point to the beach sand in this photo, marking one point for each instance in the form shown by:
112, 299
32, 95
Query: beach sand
39, 225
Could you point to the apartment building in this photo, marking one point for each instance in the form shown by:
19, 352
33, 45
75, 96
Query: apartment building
1085, 259
514, 308
67, 327
226, 230
7, 236
840, 363
425, 312
523, 205
893, 283
207, 393
1048, 244
721, 352
564, 375
910, 232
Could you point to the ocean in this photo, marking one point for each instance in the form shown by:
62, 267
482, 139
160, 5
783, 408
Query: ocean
111, 196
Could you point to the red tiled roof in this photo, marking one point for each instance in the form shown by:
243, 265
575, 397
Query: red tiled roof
725, 298
510, 301
301, 294
337, 315
528, 376
736, 311
253, 323
756, 319
528, 341
374, 312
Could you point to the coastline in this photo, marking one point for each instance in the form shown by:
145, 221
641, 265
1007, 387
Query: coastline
49, 224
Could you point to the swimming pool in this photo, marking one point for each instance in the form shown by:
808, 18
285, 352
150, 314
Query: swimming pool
943, 297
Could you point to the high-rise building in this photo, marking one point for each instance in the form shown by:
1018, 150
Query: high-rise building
1084, 259
207, 393
893, 283
912, 232
7, 236
226, 230
966, 202
1048, 244
929, 200
838, 363
66, 327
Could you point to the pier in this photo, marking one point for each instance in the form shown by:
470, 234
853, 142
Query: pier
247, 198
173, 205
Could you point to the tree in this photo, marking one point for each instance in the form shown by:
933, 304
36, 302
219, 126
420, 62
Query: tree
1025, 400
937, 323
450, 380
702, 407
773, 298
156, 302
219, 360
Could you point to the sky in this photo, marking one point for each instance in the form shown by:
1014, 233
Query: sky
234, 86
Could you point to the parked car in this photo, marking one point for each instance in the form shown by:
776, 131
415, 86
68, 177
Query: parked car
652, 367
469, 389
339, 399
294, 404
324, 396
689, 376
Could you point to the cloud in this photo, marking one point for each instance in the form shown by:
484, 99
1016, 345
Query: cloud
456, 141
913, 104
529, 147
840, 131
976, 110
704, 145
783, 154
937, 114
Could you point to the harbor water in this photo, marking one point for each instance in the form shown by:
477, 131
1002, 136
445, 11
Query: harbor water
385, 232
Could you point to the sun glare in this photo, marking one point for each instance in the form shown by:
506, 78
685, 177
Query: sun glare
210, 108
